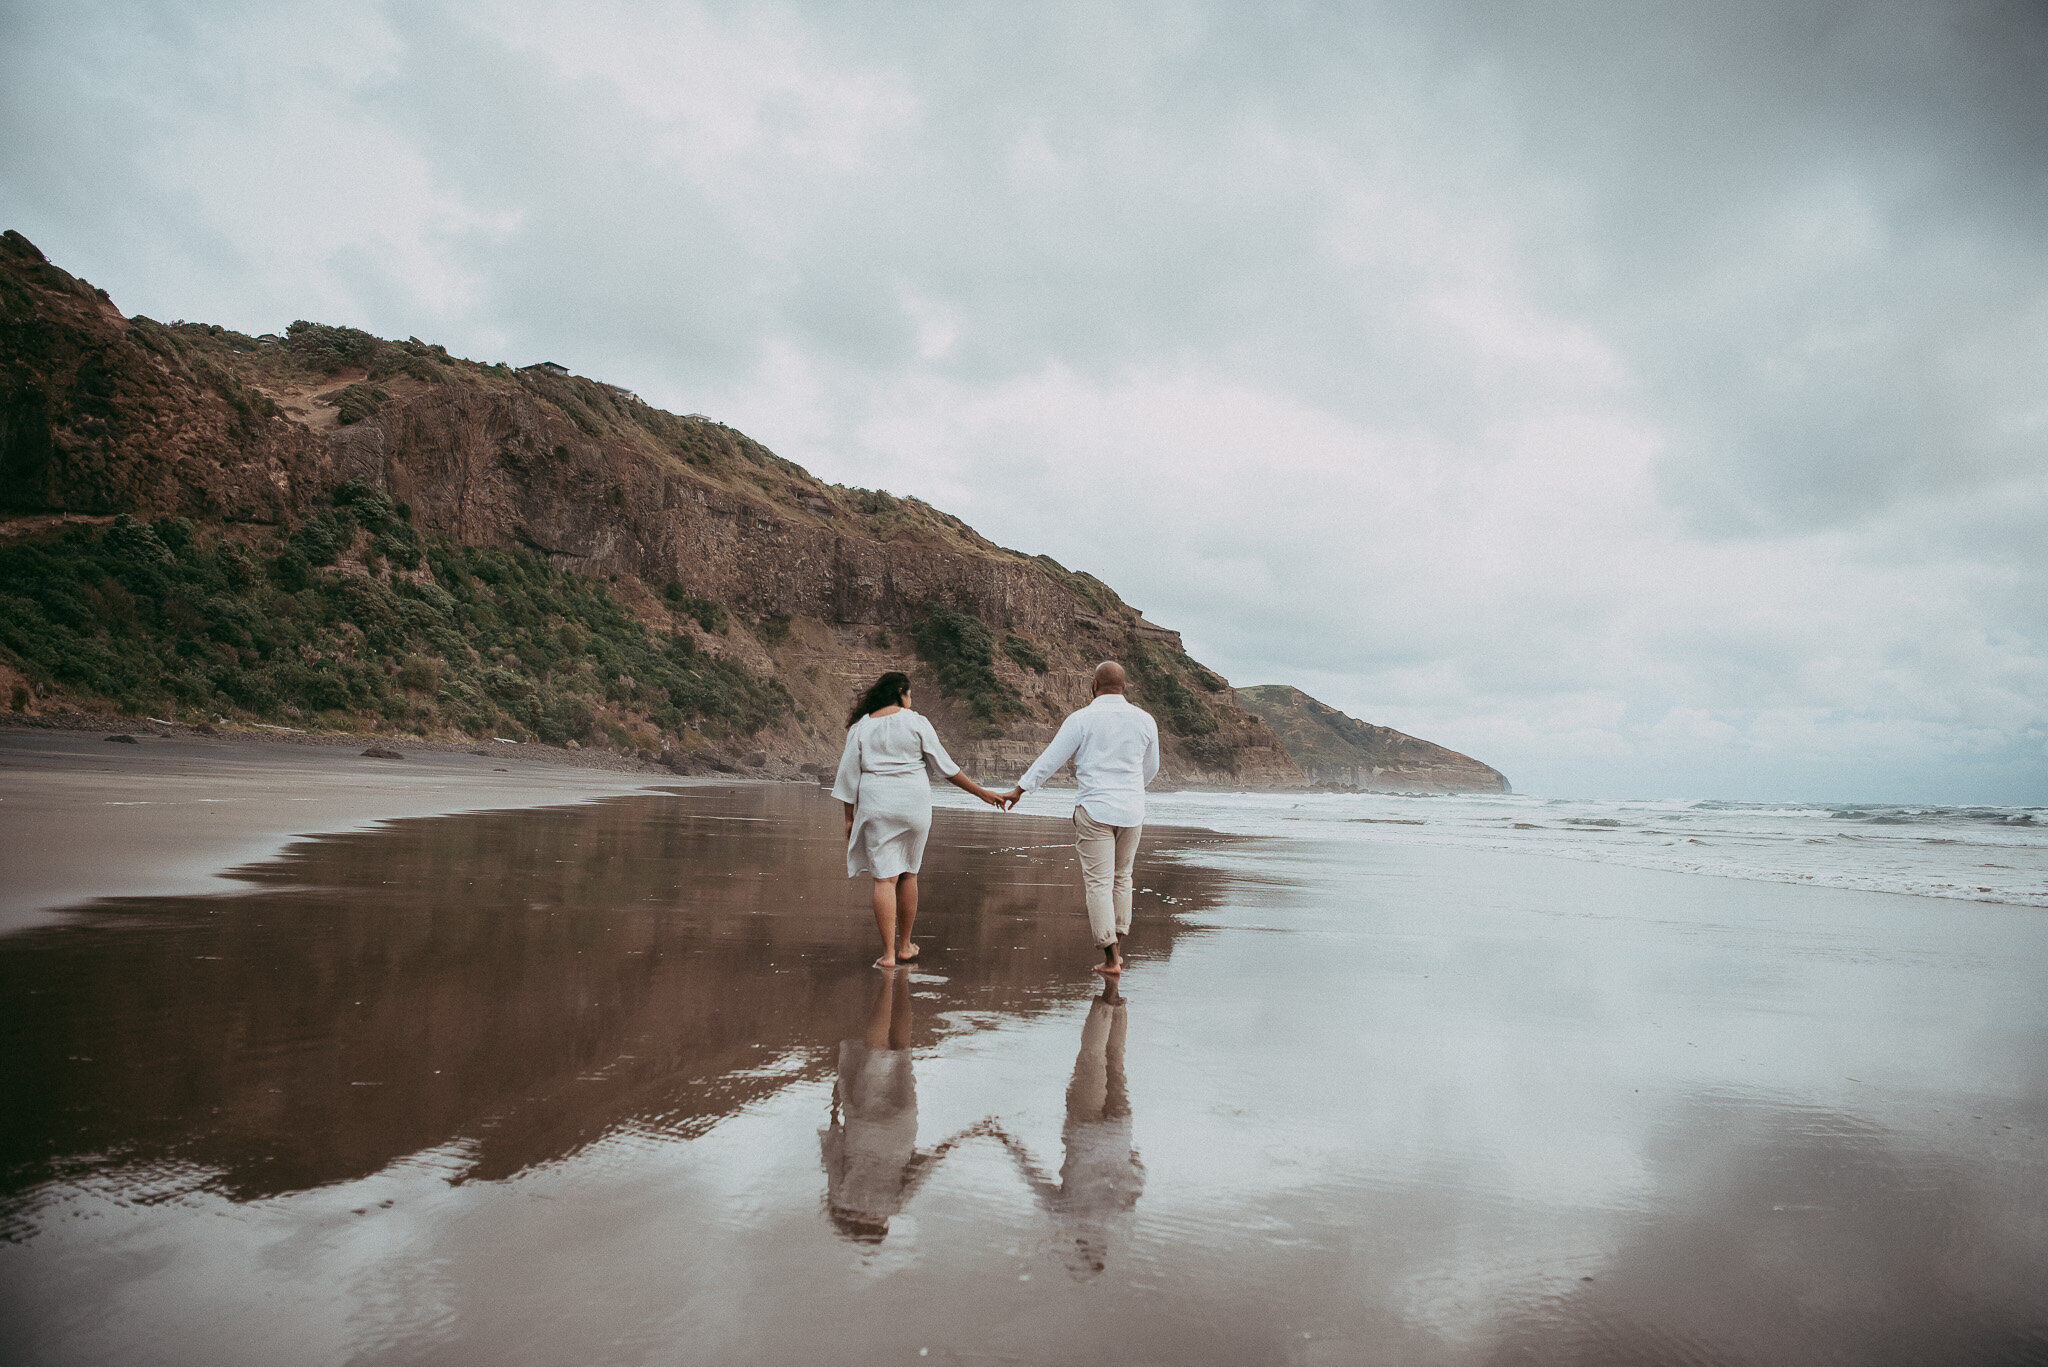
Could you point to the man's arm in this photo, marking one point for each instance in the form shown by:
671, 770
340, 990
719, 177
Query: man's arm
1151, 753
1046, 765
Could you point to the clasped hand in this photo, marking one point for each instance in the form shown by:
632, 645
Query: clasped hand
1003, 800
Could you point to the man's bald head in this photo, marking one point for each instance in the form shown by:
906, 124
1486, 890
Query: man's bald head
1109, 678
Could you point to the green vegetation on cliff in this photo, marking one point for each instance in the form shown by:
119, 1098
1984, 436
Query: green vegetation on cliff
481, 641
1160, 682
1025, 654
962, 652
1157, 685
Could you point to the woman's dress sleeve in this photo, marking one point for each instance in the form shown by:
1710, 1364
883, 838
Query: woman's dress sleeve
847, 786
935, 757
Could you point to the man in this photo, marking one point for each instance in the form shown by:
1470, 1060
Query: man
1115, 750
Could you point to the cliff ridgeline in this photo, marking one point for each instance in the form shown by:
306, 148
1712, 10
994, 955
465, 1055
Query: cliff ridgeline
337, 532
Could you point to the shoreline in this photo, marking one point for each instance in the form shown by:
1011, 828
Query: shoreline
709, 763
83, 821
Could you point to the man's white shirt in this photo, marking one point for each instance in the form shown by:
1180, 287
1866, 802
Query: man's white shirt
1115, 749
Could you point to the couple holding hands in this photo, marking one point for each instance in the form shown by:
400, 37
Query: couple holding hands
883, 783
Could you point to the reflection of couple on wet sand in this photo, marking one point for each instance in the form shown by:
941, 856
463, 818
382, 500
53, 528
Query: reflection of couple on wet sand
884, 785
873, 1166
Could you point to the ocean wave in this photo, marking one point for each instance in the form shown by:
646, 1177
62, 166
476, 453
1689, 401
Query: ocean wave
1928, 850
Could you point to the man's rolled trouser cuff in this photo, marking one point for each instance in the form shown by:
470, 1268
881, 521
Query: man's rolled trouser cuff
1107, 856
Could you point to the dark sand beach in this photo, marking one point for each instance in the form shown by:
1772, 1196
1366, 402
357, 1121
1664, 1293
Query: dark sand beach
612, 1082
82, 818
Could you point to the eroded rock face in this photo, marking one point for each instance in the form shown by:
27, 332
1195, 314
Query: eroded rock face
822, 585
491, 467
104, 414
1341, 751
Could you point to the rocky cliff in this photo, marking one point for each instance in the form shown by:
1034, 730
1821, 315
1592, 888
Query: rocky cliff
1343, 752
716, 550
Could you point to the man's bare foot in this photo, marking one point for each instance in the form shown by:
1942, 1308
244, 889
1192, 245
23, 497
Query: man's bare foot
905, 953
1112, 962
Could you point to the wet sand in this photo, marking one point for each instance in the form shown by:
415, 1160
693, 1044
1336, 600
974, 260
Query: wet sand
612, 1083
81, 818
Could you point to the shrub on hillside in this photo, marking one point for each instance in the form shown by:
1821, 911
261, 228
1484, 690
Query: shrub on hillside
1156, 682
136, 545
387, 520
327, 349
1210, 752
1024, 653
961, 651
357, 402
708, 614
146, 615
323, 537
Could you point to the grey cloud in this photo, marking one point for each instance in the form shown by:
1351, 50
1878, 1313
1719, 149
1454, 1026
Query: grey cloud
1800, 245
1713, 151
1160, 224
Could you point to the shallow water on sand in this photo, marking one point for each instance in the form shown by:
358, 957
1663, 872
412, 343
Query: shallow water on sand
613, 1084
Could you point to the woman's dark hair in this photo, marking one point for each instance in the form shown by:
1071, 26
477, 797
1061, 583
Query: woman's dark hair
883, 692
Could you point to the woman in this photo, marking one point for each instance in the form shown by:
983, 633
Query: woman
889, 804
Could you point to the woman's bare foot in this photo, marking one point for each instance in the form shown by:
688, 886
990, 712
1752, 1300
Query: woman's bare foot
905, 953
886, 962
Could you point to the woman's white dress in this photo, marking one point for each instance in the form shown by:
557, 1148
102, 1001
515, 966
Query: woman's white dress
883, 772
868, 1152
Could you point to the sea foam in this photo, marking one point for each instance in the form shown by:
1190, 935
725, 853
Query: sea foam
1978, 853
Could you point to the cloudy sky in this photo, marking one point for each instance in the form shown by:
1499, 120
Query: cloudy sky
1648, 399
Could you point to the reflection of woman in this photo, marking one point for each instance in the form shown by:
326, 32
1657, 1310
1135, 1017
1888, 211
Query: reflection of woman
882, 780
871, 1161
873, 1138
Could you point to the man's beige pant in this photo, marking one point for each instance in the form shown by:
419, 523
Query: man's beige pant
1107, 854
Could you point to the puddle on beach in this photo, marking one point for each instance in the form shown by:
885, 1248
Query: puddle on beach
613, 1083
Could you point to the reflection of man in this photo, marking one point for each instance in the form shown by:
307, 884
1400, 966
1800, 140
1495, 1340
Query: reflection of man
871, 1145
1101, 1176
1115, 750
